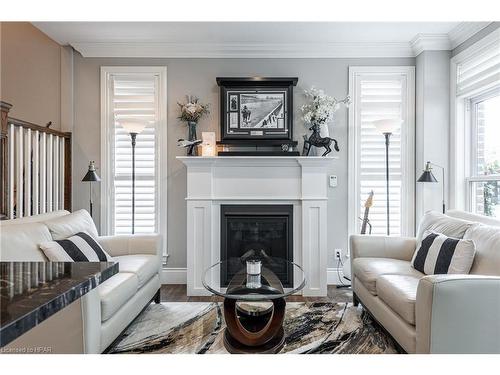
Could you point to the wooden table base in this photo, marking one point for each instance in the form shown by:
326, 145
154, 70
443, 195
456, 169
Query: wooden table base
258, 334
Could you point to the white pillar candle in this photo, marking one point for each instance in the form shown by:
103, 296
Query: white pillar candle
253, 267
207, 150
208, 144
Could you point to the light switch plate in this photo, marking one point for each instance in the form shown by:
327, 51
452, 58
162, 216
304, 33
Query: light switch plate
333, 180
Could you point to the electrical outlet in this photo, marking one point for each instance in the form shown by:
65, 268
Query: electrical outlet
338, 253
333, 180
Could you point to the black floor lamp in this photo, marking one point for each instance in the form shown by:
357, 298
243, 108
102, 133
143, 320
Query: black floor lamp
133, 127
90, 177
387, 127
428, 176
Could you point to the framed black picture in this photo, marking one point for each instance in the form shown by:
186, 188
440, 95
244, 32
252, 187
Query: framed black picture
256, 110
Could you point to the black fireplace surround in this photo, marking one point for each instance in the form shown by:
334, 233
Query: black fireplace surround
257, 232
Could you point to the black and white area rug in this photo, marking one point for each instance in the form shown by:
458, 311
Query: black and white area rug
197, 328
310, 327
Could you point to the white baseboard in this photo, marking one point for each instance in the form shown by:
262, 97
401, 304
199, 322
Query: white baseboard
332, 277
179, 276
174, 276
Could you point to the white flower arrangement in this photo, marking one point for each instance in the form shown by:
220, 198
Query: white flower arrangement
192, 110
322, 107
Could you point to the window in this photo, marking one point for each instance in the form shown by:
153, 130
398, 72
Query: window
475, 168
133, 93
484, 183
381, 93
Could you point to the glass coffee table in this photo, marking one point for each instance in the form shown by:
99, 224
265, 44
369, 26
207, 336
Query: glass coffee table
254, 301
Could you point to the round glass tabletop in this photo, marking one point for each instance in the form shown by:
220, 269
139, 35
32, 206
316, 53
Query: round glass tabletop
255, 279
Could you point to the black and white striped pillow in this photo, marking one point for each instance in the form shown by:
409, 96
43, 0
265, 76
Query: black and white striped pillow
78, 248
439, 254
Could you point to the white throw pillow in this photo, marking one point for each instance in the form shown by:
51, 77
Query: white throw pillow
78, 248
440, 254
440, 223
69, 225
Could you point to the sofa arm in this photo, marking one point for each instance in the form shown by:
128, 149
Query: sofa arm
131, 244
458, 314
382, 247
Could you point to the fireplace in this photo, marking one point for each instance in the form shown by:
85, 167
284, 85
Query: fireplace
295, 180
257, 232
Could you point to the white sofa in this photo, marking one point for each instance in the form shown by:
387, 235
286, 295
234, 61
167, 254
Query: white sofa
435, 313
111, 307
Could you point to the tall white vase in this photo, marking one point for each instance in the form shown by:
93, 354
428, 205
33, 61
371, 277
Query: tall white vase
324, 131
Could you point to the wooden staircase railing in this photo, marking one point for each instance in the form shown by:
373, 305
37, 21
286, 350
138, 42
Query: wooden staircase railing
35, 170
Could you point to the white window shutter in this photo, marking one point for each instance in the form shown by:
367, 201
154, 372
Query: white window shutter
135, 96
381, 93
380, 98
480, 71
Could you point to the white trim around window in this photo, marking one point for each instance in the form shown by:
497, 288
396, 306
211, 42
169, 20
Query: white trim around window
107, 126
407, 75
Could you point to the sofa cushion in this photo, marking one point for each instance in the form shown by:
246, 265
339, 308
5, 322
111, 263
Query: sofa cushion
487, 241
144, 266
440, 223
115, 292
78, 248
399, 292
368, 270
69, 225
19, 243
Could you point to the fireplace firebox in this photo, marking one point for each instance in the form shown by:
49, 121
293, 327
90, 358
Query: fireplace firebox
259, 232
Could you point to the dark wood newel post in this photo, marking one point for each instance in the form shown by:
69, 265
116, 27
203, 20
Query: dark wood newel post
4, 164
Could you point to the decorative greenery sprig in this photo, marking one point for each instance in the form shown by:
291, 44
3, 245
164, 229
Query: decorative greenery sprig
192, 110
321, 108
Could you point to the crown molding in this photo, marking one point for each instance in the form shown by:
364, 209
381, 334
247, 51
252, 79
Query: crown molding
244, 50
158, 49
463, 31
430, 42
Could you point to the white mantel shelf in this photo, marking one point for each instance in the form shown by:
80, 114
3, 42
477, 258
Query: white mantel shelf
301, 181
269, 161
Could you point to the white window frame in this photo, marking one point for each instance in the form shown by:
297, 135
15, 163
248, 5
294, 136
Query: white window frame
462, 132
107, 123
408, 158
473, 175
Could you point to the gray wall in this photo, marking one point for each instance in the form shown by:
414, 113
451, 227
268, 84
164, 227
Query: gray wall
197, 77
432, 126
30, 73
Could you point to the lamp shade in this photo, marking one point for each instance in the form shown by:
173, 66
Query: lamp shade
132, 125
387, 125
91, 175
427, 175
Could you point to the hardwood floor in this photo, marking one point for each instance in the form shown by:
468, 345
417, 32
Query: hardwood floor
177, 293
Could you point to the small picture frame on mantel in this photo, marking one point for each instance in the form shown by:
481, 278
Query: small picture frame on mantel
256, 111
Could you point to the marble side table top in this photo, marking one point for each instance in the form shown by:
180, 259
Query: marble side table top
33, 291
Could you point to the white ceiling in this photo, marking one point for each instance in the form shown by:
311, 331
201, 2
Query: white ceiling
256, 39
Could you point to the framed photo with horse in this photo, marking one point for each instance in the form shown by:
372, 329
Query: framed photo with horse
256, 110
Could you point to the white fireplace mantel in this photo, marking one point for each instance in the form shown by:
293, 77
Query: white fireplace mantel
298, 180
